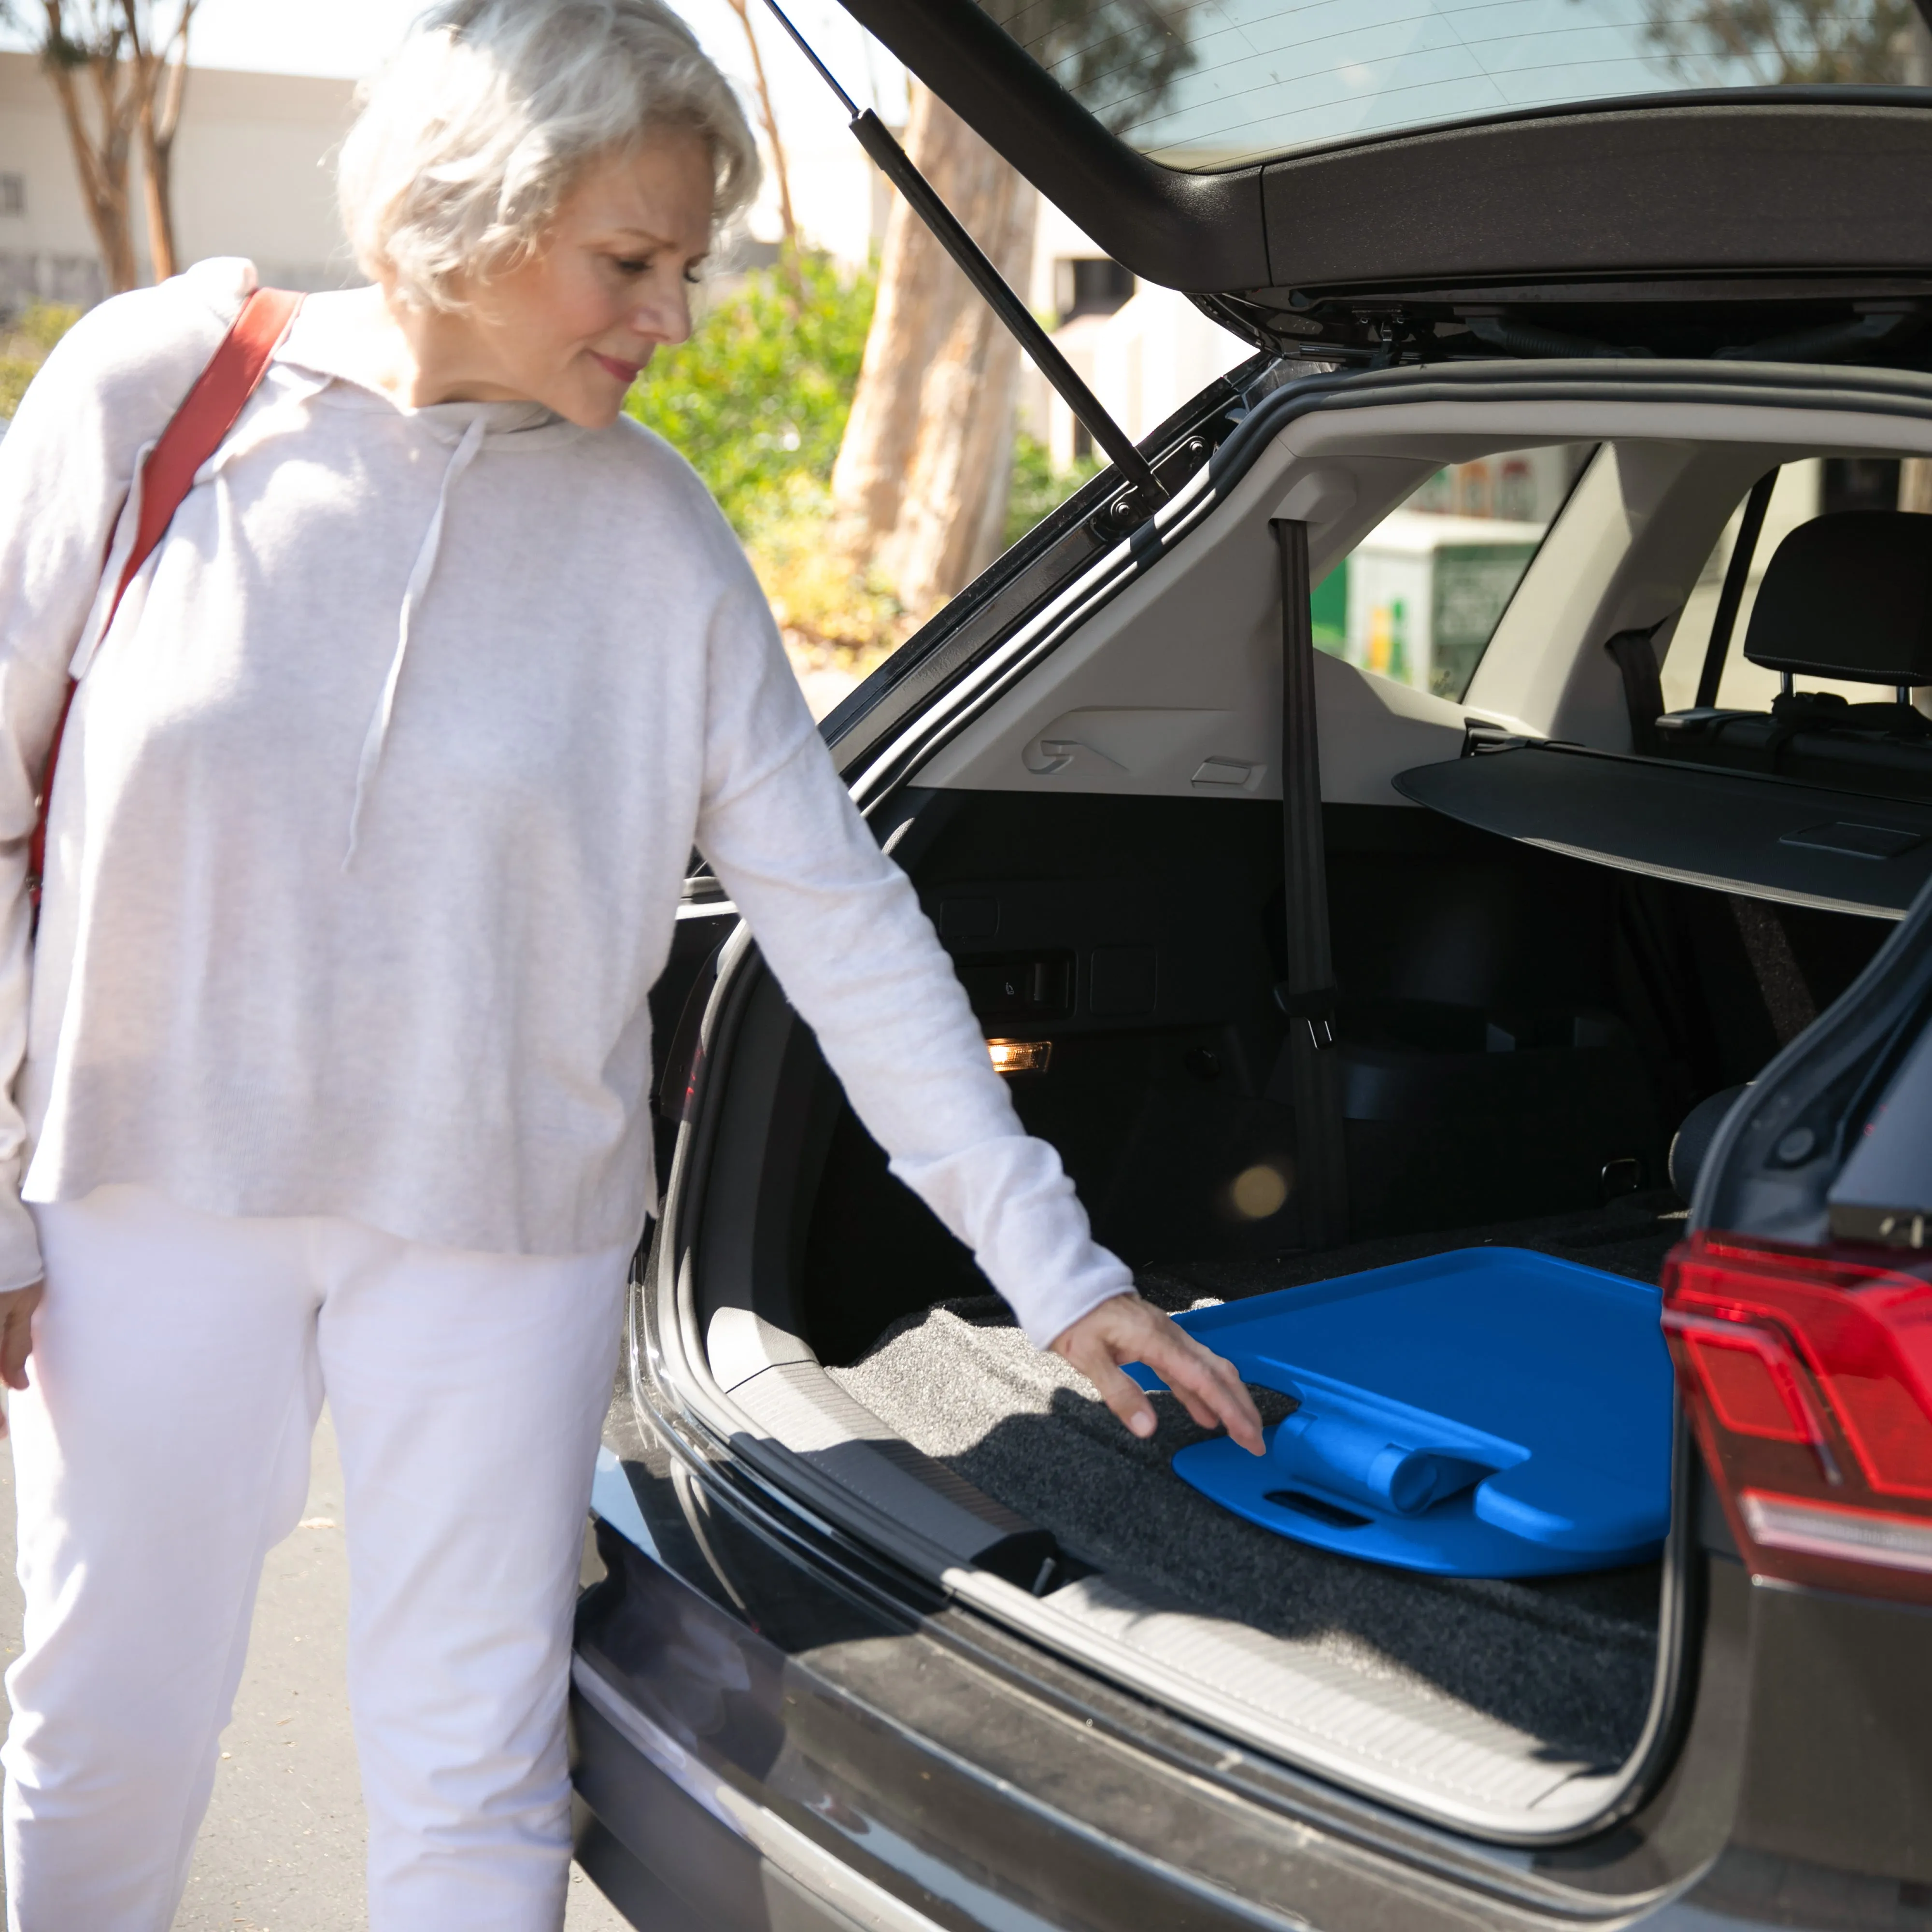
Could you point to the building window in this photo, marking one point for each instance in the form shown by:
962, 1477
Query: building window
1093, 286
13, 194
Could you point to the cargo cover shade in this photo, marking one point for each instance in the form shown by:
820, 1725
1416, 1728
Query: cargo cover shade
1768, 224
1757, 835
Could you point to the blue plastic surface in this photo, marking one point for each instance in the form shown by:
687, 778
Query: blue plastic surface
1488, 1412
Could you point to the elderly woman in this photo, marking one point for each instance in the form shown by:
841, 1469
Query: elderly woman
330, 1054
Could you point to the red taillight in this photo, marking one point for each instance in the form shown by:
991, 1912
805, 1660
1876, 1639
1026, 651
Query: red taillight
1750, 1379
1807, 1374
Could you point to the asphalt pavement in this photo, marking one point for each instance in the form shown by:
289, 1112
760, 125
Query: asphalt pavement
281, 1849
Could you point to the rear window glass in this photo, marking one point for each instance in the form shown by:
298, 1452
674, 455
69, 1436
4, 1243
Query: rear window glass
1418, 599
1214, 83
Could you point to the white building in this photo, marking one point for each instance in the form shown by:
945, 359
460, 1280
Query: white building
1143, 350
254, 175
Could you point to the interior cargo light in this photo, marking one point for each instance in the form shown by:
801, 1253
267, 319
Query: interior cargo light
1807, 1375
1020, 1056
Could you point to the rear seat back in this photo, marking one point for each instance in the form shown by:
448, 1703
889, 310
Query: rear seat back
1847, 597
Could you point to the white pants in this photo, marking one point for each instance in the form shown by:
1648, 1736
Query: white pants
180, 1361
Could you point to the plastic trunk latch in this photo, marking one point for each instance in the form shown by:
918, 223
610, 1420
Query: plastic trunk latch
1315, 1004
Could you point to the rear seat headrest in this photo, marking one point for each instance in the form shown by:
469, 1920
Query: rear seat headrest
1849, 596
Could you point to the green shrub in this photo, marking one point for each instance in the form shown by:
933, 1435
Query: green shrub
26, 344
1038, 488
15, 373
814, 592
757, 400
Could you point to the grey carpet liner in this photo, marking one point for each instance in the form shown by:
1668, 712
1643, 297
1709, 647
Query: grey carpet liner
1565, 1663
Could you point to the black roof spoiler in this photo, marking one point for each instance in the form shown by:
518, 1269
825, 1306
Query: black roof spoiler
1739, 184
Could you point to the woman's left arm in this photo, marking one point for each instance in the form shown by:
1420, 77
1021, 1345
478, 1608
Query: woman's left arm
63, 471
840, 925
107, 391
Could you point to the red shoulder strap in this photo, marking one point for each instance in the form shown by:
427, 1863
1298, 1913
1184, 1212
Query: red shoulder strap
194, 433
208, 412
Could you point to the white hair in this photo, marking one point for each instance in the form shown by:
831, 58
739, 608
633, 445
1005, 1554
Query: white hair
472, 137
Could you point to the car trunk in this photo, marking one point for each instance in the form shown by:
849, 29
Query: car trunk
1565, 1663
1521, 1033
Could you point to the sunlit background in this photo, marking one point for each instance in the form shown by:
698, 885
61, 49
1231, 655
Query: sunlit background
762, 400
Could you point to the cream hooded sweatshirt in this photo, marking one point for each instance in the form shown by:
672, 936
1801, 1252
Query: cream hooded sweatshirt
373, 810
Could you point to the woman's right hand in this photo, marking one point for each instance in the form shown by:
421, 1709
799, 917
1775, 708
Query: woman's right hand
17, 1336
1126, 1329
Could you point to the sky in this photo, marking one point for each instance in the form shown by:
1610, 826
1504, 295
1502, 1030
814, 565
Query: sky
349, 38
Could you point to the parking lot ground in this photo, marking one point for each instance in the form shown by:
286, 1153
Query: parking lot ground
281, 1850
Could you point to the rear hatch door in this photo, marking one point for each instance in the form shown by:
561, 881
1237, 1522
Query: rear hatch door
1457, 175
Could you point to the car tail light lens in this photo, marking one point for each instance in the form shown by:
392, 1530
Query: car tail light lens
1807, 1374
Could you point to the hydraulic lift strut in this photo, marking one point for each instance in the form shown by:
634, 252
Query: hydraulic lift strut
875, 137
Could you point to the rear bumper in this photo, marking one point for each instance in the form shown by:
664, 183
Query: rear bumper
769, 1732
680, 1870
760, 1742
670, 1863
759, 1784
716, 1863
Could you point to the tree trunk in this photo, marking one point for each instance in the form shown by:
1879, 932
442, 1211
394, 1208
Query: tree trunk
768, 114
160, 116
135, 83
919, 490
102, 165
155, 161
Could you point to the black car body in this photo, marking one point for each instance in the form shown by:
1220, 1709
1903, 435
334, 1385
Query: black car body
883, 1628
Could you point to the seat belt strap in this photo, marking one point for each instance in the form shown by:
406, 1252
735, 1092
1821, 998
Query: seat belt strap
194, 433
1307, 995
1737, 581
1636, 657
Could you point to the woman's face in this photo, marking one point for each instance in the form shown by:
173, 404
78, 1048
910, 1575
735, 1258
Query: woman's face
571, 326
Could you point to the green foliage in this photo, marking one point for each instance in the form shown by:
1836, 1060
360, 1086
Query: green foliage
1328, 608
758, 398
25, 346
15, 373
1781, 42
1038, 488
1119, 58
816, 593
43, 324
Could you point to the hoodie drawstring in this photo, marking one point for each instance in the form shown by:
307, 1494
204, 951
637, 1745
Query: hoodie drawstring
419, 576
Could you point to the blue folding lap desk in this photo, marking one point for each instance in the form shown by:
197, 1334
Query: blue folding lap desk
1489, 1412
